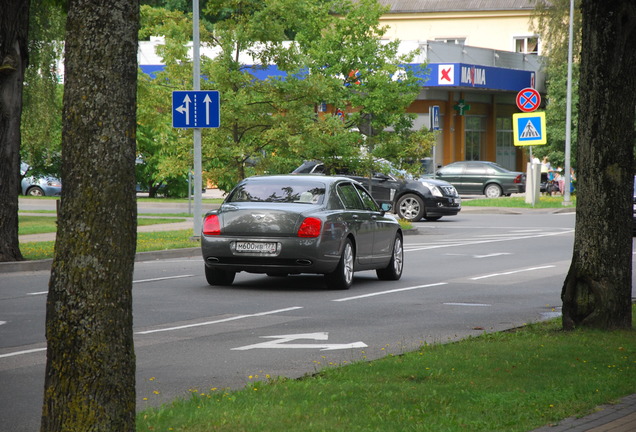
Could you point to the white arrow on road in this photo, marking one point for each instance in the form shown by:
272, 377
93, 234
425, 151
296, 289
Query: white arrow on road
185, 108
281, 342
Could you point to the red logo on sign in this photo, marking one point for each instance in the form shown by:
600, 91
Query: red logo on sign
445, 75
528, 100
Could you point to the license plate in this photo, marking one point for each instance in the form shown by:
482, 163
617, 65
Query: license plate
256, 247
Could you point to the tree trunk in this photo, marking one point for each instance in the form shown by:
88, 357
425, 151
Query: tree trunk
14, 24
90, 369
597, 290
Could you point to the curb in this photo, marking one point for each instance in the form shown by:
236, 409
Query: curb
45, 265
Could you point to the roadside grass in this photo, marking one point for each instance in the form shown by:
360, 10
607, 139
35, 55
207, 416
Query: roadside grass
146, 242
178, 200
47, 224
520, 202
508, 381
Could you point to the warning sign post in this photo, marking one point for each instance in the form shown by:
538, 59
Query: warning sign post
529, 129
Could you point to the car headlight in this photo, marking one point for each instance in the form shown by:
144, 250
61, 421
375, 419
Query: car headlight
433, 189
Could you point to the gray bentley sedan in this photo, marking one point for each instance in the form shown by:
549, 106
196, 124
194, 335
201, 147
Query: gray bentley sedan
291, 224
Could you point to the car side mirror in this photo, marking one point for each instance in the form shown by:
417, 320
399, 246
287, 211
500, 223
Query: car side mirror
386, 207
381, 176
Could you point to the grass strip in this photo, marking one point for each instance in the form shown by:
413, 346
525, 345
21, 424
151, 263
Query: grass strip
510, 381
151, 241
48, 224
519, 202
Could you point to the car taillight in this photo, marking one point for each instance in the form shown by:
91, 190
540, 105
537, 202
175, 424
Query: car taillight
310, 227
211, 225
518, 179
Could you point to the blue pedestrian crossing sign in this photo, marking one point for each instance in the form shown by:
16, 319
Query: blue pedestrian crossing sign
196, 109
529, 129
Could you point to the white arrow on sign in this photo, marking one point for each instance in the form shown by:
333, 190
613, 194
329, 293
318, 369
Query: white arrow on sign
281, 342
207, 101
185, 108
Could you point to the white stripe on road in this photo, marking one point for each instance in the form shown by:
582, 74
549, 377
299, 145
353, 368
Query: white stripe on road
162, 278
467, 242
238, 317
389, 292
22, 352
135, 281
512, 272
468, 304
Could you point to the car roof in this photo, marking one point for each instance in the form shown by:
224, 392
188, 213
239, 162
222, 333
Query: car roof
293, 178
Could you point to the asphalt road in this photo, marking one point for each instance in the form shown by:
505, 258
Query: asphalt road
463, 275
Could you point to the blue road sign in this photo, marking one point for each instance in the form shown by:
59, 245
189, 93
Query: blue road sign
434, 116
529, 129
196, 109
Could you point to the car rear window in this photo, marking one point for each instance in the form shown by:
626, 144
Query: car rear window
304, 193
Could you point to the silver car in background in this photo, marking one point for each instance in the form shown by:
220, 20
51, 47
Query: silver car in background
292, 224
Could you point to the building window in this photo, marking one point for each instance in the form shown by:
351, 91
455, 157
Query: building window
475, 137
506, 150
456, 41
527, 45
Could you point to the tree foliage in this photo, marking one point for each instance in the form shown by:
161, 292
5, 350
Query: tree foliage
553, 21
41, 123
335, 60
598, 287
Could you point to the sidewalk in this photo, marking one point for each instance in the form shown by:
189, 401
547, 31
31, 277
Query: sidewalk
609, 418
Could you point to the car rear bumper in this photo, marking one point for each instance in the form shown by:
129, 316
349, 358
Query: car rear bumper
294, 256
518, 188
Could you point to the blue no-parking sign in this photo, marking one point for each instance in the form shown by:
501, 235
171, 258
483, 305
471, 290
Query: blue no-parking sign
196, 109
529, 129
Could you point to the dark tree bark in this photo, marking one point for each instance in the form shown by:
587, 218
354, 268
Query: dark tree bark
597, 290
14, 25
90, 369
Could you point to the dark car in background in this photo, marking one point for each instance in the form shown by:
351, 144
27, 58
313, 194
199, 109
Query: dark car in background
292, 224
482, 178
411, 199
39, 185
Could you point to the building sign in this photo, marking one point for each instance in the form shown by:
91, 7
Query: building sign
472, 75
463, 75
446, 74
461, 107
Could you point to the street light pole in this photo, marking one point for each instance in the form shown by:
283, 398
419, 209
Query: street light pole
568, 113
196, 84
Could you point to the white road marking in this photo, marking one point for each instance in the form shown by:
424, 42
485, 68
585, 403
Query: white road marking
416, 247
281, 342
22, 352
468, 304
389, 292
512, 272
135, 281
162, 278
492, 255
238, 317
